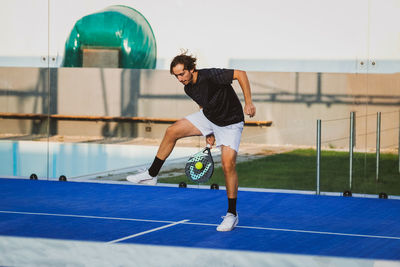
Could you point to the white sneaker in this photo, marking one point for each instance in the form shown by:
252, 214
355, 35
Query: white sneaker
142, 178
230, 221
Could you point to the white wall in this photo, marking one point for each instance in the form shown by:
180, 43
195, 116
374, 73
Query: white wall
253, 34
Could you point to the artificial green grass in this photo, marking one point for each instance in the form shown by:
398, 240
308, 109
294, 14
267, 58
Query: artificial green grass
297, 170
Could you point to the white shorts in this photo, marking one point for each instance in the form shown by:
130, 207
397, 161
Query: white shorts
224, 135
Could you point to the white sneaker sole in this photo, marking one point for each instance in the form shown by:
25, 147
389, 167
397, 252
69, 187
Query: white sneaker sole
149, 182
133, 179
228, 229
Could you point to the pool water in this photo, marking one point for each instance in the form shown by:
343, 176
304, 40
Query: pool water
22, 158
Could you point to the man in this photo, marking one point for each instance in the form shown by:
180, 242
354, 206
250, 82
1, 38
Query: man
220, 119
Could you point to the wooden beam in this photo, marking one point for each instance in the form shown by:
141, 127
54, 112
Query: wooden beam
6, 115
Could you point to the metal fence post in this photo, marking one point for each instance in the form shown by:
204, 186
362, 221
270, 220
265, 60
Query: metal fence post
318, 153
378, 142
351, 146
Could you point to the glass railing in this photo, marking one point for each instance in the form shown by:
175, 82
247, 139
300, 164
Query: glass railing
86, 93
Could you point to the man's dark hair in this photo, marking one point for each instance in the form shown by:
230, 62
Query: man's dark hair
189, 62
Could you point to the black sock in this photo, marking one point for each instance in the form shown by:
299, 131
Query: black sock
232, 205
156, 166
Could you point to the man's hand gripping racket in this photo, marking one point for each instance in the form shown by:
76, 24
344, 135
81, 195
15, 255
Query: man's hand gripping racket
200, 167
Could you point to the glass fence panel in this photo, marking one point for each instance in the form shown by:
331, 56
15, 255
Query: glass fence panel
382, 103
24, 124
103, 96
24, 27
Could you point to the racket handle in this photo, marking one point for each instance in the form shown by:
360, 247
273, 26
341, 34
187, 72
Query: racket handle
208, 149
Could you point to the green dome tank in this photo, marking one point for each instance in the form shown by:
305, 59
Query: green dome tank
116, 27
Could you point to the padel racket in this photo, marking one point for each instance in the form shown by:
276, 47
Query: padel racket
200, 167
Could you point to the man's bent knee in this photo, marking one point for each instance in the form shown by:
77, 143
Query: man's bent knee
171, 130
180, 129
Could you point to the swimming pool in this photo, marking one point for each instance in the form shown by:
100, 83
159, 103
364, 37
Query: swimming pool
22, 158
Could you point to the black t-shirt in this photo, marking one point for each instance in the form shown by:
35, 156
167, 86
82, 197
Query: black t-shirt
213, 91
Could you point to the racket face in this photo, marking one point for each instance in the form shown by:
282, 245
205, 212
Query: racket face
203, 174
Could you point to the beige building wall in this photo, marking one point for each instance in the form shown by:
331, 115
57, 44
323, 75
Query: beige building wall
292, 101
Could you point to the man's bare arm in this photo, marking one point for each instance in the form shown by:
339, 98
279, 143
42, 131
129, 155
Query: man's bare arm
241, 77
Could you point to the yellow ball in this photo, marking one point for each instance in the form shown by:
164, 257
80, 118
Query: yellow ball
199, 165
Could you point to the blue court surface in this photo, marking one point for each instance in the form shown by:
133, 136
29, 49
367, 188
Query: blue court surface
72, 223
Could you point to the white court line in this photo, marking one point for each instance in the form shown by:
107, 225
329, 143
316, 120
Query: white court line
146, 232
83, 216
202, 224
301, 231
318, 232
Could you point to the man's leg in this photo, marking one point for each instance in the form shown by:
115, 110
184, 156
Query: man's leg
228, 158
180, 129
